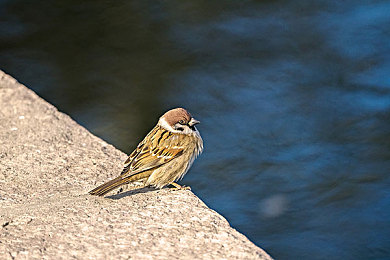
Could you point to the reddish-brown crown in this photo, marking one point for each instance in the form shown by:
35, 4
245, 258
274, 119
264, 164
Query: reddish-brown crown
174, 116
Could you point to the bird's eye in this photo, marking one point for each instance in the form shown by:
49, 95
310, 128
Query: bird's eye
181, 122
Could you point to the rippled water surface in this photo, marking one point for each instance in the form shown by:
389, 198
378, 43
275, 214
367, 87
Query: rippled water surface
294, 99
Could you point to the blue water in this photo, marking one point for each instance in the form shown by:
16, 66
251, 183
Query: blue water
294, 99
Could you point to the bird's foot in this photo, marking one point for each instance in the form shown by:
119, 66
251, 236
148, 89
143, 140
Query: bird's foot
179, 187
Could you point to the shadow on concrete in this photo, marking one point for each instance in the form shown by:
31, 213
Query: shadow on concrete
131, 192
142, 190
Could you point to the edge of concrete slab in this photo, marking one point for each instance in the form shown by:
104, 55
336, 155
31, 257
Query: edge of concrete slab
48, 163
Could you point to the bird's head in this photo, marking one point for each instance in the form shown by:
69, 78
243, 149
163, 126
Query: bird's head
178, 120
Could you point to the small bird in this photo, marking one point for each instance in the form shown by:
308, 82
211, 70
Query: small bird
164, 156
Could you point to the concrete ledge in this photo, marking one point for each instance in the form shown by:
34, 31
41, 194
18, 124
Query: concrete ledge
47, 165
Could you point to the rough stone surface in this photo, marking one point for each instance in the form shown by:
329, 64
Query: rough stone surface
48, 163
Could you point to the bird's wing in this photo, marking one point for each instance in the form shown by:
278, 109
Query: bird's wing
155, 150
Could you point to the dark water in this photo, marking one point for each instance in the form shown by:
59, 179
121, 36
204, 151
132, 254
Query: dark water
294, 99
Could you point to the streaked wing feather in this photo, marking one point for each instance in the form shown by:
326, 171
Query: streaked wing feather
150, 153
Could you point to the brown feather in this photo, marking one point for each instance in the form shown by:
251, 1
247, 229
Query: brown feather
150, 154
118, 181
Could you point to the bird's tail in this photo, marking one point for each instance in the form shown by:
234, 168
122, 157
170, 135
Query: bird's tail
118, 181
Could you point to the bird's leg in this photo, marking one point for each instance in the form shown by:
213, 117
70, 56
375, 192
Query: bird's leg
179, 187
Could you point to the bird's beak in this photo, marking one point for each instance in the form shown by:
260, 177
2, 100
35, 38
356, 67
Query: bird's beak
193, 122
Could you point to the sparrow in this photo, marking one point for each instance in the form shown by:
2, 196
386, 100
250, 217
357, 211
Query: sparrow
164, 156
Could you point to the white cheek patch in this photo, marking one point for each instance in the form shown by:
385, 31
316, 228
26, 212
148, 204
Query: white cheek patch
187, 130
162, 122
